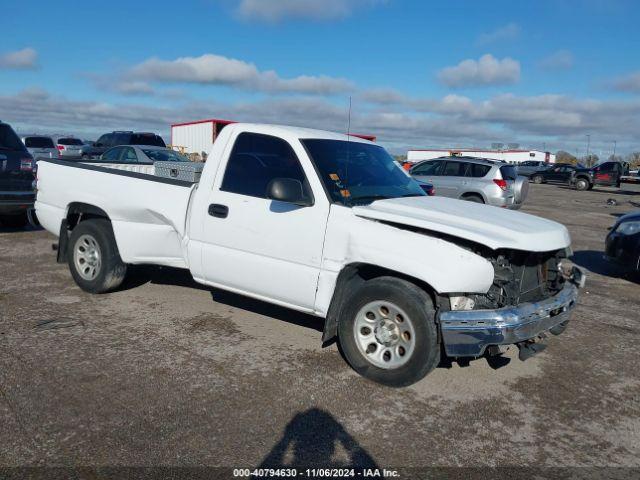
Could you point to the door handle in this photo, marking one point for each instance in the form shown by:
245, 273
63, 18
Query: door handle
219, 211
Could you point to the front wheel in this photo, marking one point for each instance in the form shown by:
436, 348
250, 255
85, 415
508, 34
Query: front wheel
388, 333
582, 184
93, 257
537, 179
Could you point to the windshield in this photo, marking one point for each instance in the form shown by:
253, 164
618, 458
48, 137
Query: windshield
357, 173
39, 142
9, 140
164, 156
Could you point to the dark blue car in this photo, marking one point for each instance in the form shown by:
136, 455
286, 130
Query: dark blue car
623, 242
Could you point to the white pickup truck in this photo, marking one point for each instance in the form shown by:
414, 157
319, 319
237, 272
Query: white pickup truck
330, 225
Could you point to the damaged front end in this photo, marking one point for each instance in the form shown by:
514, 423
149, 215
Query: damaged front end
532, 293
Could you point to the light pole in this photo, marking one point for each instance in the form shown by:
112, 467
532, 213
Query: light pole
588, 145
614, 149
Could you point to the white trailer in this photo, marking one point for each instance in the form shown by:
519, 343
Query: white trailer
509, 156
196, 137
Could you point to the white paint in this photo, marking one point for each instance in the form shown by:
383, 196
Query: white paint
285, 254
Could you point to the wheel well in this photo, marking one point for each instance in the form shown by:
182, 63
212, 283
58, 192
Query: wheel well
350, 277
472, 194
78, 212
583, 177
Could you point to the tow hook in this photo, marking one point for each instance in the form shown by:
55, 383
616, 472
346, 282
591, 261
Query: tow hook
529, 348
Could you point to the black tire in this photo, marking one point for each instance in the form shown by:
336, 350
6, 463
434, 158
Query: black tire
86, 157
418, 307
582, 184
15, 221
473, 198
560, 328
110, 272
537, 179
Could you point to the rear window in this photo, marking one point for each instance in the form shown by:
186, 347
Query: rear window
147, 139
69, 141
508, 172
9, 140
477, 170
164, 156
39, 142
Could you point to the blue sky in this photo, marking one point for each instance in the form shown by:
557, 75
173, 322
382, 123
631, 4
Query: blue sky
420, 73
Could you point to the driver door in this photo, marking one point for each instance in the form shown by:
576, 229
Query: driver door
255, 245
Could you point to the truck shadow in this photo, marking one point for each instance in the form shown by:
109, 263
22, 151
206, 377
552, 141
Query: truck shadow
143, 274
314, 438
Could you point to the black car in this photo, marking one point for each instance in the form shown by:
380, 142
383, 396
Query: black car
115, 139
607, 174
623, 242
559, 173
17, 194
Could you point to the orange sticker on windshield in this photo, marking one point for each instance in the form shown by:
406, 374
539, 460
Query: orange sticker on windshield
334, 177
345, 193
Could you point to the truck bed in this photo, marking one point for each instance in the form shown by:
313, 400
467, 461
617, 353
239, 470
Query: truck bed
140, 206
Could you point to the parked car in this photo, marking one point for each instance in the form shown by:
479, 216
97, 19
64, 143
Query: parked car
141, 154
117, 138
530, 167
623, 242
559, 173
474, 179
311, 220
40, 146
69, 148
17, 193
604, 174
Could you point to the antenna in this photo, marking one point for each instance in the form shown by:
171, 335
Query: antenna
349, 120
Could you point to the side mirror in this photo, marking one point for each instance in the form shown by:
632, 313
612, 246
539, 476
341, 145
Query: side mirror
288, 190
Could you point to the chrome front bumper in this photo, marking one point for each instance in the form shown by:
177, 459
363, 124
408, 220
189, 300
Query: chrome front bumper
467, 333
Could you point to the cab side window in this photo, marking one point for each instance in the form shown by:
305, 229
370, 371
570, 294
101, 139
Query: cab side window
255, 160
129, 156
428, 168
112, 155
454, 169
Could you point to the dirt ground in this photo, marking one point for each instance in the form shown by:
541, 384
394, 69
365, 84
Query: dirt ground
169, 373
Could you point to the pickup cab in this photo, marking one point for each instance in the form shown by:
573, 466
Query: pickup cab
327, 224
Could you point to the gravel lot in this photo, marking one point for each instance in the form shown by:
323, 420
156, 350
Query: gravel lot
167, 372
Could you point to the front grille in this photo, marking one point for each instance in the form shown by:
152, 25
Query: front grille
522, 277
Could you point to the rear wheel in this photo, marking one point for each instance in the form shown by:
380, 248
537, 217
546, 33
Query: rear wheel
388, 333
93, 257
582, 184
538, 179
14, 221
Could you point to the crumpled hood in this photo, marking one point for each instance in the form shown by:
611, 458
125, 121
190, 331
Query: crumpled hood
491, 226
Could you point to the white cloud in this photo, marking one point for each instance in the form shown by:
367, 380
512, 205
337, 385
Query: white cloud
273, 11
628, 83
219, 70
25, 59
453, 120
560, 60
487, 70
510, 31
